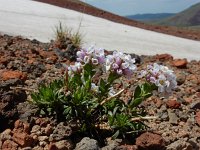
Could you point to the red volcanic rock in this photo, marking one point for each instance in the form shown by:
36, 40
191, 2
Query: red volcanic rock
22, 138
173, 104
181, 63
198, 118
18, 124
21, 126
31, 60
188, 100
46, 54
9, 145
7, 75
3, 60
159, 103
164, 57
21, 134
148, 141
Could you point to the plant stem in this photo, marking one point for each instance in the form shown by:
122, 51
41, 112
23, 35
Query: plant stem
144, 118
22, 88
109, 98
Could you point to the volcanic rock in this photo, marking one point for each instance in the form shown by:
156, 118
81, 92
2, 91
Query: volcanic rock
148, 141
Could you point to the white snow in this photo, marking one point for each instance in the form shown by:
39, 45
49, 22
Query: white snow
38, 20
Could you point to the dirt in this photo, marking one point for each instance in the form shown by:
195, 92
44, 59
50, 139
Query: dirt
27, 64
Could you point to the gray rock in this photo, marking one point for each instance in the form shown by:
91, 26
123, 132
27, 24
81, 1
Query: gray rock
55, 137
12, 82
180, 77
195, 105
37, 148
112, 144
164, 116
42, 143
180, 145
64, 145
163, 108
173, 119
35, 128
26, 110
63, 129
195, 143
5, 135
43, 138
183, 116
87, 144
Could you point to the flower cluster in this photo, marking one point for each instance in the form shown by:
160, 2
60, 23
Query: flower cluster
76, 68
91, 55
120, 63
161, 76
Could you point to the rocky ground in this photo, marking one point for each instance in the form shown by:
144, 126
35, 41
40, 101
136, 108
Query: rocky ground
25, 64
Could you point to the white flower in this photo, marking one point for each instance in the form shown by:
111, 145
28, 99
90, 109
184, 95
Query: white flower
111, 91
77, 67
94, 87
125, 65
86, 59
91, 55
119, 72
95, 61
161, 76
120, 63
115, 66
142, 73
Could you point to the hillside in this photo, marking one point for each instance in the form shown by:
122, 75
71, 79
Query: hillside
149, 17
188, 17
88, 9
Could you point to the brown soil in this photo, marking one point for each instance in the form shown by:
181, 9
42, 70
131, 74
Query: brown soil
25, 64
88, 9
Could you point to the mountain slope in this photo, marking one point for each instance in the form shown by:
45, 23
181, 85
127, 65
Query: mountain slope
37, 20
88, 9
188, 17
149, 17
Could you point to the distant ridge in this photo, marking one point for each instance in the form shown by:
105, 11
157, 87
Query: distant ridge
188, 17
150, 17
91, 10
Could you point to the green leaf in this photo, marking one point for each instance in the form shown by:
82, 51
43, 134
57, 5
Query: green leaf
67, 110
102, 85
146, 88
138, 92
112, 77
136, 102
88, 71
115, 110
42, 112
88, 84
142, 92
77, 79
114, 136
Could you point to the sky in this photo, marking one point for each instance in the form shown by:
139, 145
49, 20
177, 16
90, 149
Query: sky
131, 7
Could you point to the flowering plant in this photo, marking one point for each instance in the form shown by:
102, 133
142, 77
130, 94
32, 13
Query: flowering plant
91, 101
